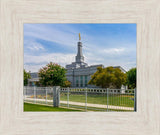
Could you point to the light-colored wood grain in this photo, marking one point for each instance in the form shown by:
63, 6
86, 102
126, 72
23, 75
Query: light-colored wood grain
13, 13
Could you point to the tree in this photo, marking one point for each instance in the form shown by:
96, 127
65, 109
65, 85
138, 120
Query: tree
52, 75
131, 78
26, 77
108, 77
67, 84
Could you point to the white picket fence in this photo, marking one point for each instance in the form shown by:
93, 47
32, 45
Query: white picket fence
86, 99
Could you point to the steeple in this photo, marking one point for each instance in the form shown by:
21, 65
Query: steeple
79, 57
79, 36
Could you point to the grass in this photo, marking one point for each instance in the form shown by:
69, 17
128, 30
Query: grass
28, 107
121, 100
117, 100
34, 107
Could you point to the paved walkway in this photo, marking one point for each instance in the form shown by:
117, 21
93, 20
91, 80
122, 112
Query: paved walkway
88, 104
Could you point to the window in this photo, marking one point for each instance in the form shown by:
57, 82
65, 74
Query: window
86, 81
77, 81
33, 84
81, 81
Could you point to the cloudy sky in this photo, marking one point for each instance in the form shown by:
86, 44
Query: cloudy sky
107, 44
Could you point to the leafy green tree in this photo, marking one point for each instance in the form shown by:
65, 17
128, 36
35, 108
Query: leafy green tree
108, 77
131, 78
26, 77
52, 75
67, 84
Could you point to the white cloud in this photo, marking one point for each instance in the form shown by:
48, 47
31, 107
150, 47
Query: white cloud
110, 56
33, 68
50, 34
113, 50
33, 46
107, 57
34, 63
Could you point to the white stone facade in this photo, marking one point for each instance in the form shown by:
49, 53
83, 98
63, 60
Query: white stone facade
79, 77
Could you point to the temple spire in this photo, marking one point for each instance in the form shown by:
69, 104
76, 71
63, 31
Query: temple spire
79, 57
79, 36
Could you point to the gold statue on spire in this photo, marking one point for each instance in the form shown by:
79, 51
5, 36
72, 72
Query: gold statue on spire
79, 36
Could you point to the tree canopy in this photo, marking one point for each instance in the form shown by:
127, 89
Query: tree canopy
52, 75
108, 77
67, 84
131, 78
26, 77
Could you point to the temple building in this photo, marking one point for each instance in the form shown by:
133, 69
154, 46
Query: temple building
78, 72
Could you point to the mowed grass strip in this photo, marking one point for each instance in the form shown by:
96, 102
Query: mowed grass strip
117, 100
35, 107
125, 100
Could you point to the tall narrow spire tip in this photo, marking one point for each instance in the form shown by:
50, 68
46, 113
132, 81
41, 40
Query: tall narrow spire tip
79, 36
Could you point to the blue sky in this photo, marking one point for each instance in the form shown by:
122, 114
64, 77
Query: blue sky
107, 44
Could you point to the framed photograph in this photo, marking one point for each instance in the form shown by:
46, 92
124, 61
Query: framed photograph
94, 70
24, 29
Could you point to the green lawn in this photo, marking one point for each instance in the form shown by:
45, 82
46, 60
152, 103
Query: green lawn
117, 100
35, 107
125, 100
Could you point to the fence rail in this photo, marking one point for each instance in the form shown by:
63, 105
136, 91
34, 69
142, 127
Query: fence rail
85, 99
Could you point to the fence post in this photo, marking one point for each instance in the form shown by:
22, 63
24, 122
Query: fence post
68, 97
34, 94
46, 94
56, 96
135, 99
107, 98
86, 99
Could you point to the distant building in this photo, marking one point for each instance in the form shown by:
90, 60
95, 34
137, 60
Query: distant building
34, 79
78, 72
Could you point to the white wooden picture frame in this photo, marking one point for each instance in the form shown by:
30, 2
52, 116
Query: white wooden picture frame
14, 13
